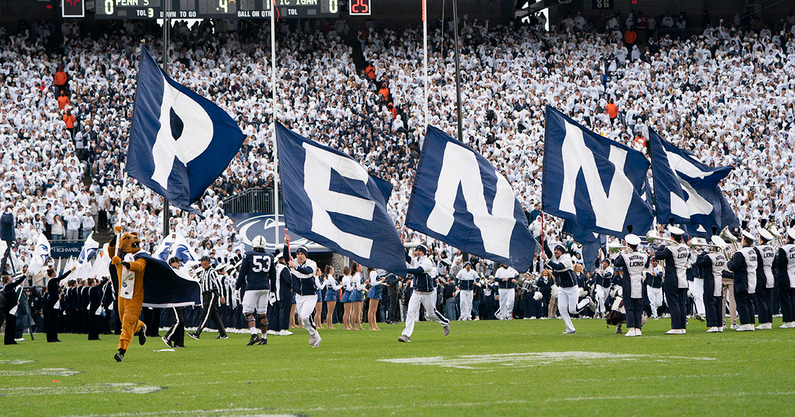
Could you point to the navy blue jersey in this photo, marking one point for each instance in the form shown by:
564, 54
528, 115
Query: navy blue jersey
257, 271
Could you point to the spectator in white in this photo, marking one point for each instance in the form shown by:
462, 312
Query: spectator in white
88, 223
73, 222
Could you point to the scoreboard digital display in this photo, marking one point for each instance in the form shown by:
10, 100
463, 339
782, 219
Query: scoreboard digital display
216, 9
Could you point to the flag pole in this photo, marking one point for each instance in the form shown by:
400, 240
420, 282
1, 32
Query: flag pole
425, 62
457, 73
164, 65
275, 146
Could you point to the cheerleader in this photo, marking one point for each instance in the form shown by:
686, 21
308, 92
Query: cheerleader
319, 292
332, 293
375, 296
346, 297
357, 297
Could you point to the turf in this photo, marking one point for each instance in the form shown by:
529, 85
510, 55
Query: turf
508, 368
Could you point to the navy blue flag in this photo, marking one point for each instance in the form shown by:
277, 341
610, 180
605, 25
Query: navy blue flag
687, 190
594, 181
459, 198
330, 199
591, 243
164, 286
180, 142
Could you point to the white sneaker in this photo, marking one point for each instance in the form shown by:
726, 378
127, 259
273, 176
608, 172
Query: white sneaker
317, 341
787, 325
312, 339
735, 326
682, 331
764, 326
272, 332
673, 331
746, 328
630, 332
699, 317
713, 330
637, 332
285, 333
570, 332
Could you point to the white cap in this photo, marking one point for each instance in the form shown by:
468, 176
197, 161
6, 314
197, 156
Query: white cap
698, 241
632, 240
718, 241
749, 236
765, 235
675, 231
791, 233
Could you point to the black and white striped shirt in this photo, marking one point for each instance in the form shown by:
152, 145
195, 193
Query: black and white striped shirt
209, 280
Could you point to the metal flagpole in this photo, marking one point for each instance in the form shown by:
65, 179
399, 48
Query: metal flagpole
166, 41
275, 146
457, 73
425, 62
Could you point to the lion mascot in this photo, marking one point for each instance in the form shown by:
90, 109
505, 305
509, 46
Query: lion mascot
130, 274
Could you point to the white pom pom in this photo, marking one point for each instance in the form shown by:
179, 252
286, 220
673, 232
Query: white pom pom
538, 296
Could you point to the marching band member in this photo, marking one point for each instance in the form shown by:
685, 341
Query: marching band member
713, 263
765, 281
654, 290
466, 282
506, 278
634, 263
676, 257
743, 264
785, 266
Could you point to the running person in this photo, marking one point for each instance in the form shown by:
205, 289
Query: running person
257, 277
305, 288
424, 292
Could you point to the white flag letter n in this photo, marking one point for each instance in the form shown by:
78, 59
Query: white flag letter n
610, 209
460, 168
317, 177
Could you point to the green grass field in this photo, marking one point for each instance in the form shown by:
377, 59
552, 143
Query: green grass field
483, 368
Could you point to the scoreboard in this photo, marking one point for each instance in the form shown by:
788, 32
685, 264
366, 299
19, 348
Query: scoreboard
217, 9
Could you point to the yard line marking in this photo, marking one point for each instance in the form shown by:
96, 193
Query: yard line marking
15, 361
532, 359
114, 388
219, 412
40, 372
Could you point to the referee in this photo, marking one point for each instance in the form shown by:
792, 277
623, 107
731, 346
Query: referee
211, 289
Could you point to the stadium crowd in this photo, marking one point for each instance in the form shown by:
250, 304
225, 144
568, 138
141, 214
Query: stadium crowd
726, 94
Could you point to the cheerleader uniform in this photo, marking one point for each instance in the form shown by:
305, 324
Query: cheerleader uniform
332, 289
357, 286
375, 286
347, 289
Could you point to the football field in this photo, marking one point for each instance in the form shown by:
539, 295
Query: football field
483, 368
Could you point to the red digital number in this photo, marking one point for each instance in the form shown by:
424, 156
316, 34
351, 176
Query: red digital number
360, 6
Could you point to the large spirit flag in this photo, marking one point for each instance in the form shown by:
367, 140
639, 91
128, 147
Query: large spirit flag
41, 254
686, 190
180, 142
84, 266
459, 198
594, 181
330, 199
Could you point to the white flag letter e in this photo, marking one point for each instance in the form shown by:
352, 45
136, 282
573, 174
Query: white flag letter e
317, 176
